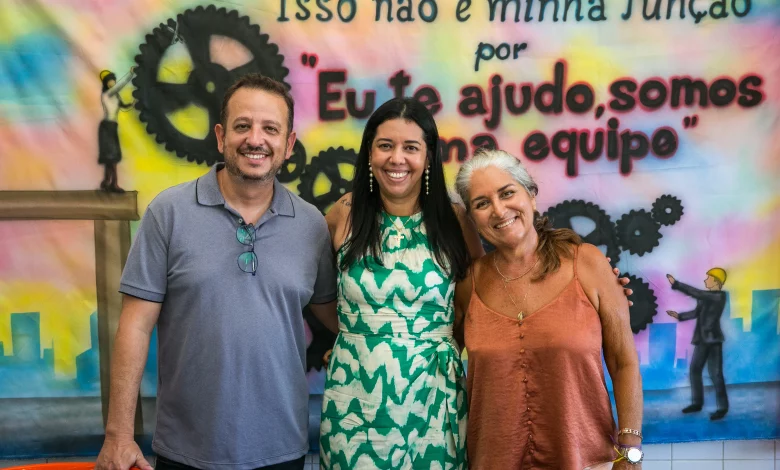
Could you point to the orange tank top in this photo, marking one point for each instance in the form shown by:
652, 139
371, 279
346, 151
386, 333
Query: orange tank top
536, 389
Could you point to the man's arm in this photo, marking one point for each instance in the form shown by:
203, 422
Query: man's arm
327, 315
682, 316
685, 316
144, 285
131, 348
122, 82
323, 300
690, 291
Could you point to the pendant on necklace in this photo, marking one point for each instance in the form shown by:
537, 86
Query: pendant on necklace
520, 316
398, 237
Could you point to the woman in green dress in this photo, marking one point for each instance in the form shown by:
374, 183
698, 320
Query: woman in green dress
395, 391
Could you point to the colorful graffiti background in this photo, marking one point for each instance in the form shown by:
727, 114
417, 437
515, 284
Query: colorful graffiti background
654, 134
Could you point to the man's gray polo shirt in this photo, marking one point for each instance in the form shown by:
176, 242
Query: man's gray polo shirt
232, 390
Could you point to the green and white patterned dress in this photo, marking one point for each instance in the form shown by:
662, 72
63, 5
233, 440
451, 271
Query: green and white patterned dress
395, 391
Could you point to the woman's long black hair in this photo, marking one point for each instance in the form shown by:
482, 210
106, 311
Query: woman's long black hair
445, 236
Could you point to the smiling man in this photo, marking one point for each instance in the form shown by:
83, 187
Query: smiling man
224, 266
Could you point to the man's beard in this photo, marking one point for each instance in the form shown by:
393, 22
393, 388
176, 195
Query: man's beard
233, 168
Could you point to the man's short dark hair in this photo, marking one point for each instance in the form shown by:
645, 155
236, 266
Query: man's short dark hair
257, 81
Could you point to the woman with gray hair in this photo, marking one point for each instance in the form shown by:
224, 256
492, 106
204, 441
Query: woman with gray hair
536, 315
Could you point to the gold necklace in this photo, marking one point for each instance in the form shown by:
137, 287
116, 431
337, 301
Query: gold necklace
506, 288
399, 230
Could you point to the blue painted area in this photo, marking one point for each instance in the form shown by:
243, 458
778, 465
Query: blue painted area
754, 356
34, 80
88, 362
753, 412
748, 356
28, 371
149, 378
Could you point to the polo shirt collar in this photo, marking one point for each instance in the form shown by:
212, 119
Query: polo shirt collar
208, 193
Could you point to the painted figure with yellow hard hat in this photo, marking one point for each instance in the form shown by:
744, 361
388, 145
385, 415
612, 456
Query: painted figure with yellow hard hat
707, 337
109, 151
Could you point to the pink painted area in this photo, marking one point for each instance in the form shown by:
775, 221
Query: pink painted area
228, 52
58, 252
51, 155
727, 240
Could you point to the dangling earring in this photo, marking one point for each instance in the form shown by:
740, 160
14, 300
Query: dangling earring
427, 177
370, 178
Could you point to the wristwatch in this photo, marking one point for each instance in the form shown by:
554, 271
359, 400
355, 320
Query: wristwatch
633, 455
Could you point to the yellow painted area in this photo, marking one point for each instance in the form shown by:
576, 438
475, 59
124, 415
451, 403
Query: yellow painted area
192, 121
595, 65
18, 18
336, 134
347, 171
127, 96
175, 65
770, 208
450, 172
64, 318
759, 273
149, 168
321, 185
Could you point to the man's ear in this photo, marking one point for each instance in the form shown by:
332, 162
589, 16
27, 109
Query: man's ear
220, 133
290, 144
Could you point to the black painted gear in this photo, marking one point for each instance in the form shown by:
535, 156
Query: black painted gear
645, 306
603, 233
327, 163
638, 232
207, 82
293, 167
667, 210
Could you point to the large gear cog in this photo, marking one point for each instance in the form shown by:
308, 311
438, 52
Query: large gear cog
603, 233
645, 305
638, 232
330, 165
667, 210
206, 33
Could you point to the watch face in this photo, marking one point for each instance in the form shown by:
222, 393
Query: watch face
634, 455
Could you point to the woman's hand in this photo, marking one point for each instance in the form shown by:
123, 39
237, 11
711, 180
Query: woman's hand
623, 281
624, 465
326, 357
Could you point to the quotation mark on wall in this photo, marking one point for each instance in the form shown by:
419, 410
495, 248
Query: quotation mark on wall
690, 121
309, 60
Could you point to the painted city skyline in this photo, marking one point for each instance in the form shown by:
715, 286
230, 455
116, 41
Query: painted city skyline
27, 365
28, 371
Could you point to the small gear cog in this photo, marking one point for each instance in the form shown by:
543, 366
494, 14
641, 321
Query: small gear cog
667, 210
293, 167
602, 234
645, 305
638, 232
330, 165
204, 32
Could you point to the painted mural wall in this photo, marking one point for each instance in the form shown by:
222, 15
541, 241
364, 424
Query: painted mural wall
652, 127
